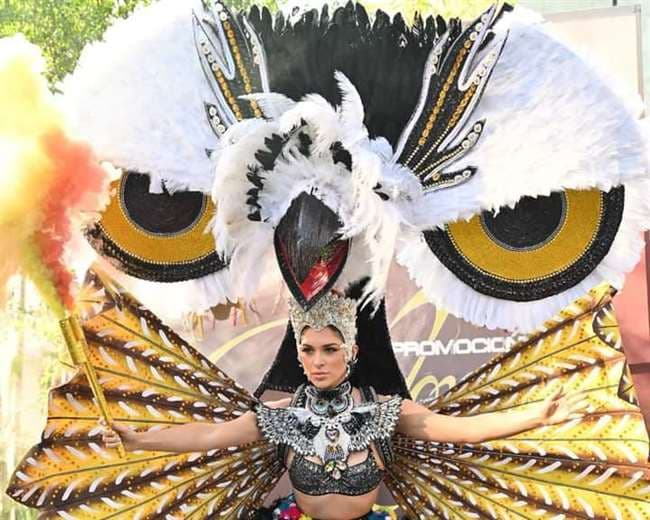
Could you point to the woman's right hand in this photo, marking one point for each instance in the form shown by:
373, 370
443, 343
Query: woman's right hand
118, 434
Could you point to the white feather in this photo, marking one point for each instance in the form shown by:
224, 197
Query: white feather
141, 112
320, 116
553, 121
272, 104
349, 194
351, 112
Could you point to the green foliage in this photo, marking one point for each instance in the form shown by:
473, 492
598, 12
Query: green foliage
61, 27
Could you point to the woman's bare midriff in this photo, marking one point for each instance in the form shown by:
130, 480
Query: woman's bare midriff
336, 507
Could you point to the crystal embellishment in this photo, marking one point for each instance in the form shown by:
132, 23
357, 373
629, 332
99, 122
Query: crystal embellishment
338, 311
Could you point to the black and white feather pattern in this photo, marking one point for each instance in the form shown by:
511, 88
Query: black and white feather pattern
383, 204
549, 121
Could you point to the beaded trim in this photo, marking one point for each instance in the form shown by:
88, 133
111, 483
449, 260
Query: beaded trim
297, 428
331, 309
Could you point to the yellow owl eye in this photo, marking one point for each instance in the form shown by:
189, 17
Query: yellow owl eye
144, 231
537, 249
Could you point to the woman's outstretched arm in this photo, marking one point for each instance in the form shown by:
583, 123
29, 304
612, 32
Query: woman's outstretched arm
194, 436
421, 423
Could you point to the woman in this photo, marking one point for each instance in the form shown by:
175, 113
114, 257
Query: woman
333, 437
354, 174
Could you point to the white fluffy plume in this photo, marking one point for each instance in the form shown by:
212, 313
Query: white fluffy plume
141, 112
553, 122
272, 104
351, 113
372, 223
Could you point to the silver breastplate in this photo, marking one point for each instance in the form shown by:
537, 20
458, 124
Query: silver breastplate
328, 425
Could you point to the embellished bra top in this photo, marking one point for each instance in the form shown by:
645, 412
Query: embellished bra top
313, 479
328, 424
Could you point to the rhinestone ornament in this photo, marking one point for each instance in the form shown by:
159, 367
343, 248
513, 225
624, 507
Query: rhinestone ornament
338, 311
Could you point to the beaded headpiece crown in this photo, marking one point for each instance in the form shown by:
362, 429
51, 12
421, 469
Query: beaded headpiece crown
337, 311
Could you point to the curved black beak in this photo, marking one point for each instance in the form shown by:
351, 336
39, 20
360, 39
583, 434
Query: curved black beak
309, 250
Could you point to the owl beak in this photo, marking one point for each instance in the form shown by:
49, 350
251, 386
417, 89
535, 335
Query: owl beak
309, 250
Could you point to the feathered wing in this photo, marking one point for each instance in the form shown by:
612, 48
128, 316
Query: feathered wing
554, 203
157, 92
595, 466
154, 98
290, 425
152, 379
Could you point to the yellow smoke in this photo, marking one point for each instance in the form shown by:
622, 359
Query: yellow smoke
23, 166
28, 113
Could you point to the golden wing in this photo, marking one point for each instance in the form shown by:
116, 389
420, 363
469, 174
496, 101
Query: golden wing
151, 379
595, 466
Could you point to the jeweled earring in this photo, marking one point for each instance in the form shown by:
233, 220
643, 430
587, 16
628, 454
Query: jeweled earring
349, 366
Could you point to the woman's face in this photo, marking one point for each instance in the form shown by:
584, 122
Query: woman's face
323, 357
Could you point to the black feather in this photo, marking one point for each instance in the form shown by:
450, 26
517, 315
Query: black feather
341, 155
305, 144
384, 60
255, 178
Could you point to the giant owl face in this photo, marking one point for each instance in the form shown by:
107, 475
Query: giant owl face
488, 158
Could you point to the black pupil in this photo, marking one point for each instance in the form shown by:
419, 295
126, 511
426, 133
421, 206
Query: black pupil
159, 212
530, 224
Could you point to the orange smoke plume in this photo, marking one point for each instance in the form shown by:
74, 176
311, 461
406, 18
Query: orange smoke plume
46, 179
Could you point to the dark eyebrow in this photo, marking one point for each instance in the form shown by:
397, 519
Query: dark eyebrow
323, 346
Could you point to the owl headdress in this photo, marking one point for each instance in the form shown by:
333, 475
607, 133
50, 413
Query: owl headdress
499, 167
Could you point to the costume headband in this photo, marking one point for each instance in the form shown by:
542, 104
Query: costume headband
338, 311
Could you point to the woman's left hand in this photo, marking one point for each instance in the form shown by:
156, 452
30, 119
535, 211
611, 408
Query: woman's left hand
560, 407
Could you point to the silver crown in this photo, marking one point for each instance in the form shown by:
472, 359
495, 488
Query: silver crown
338, 311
